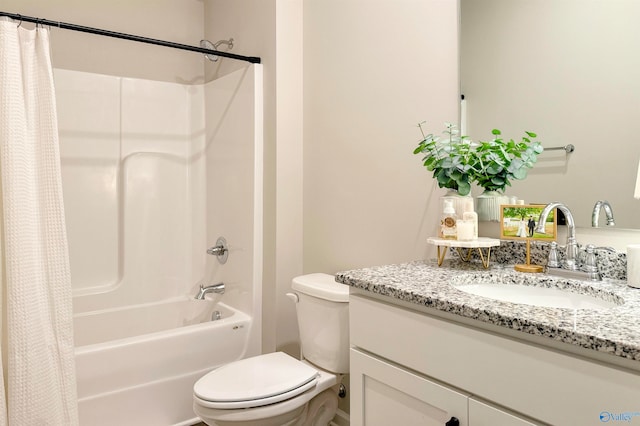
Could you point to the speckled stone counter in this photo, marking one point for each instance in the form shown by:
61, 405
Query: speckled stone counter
615, 330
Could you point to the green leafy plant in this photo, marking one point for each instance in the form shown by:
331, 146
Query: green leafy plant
451, 159
456, 161
499, 161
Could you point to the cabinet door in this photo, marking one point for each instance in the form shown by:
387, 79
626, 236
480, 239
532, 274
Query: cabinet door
481, 414
384, 394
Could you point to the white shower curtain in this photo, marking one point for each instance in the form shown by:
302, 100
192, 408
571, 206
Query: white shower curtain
37, 327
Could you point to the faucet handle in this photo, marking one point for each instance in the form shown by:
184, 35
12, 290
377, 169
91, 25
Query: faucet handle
552, 260
590, 259
220, 250
590, 266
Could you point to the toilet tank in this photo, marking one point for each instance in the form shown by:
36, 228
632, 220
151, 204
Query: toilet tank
323, 320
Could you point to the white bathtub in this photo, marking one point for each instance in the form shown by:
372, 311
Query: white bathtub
137, 365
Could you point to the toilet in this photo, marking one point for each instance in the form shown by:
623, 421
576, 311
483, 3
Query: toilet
276, 389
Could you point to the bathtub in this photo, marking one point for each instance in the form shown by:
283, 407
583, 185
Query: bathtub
137, 365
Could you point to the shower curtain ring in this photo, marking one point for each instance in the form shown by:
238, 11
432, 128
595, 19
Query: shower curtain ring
19, 23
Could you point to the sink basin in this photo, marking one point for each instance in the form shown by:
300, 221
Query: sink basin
551, 297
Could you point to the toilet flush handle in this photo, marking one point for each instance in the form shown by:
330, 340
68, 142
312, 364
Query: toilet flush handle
293, 297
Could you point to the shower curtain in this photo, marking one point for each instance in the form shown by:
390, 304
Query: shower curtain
37, 325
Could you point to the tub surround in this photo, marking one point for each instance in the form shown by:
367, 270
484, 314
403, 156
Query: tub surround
135, 157
611, 331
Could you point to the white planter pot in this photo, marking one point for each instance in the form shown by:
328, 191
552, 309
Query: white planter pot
488, 205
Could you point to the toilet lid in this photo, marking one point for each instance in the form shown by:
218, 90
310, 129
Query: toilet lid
256, 381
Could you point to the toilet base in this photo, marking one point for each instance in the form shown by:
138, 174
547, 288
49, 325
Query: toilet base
317, 411
322, 409
293, 418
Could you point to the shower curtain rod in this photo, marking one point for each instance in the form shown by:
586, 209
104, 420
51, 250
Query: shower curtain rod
74, 27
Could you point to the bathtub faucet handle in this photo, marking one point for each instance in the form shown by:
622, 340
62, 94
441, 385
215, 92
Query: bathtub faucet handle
216, 251
216, 288
220, 250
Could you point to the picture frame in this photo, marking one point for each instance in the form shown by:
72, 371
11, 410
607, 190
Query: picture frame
518, 222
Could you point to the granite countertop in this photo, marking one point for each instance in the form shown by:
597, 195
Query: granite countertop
615, 330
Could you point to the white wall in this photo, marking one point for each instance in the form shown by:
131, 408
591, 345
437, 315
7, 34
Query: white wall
372, 72
289, 172
172, 20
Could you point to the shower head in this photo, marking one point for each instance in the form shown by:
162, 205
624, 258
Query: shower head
206, 44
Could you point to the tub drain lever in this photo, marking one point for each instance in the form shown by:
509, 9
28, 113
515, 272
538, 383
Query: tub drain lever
220, 250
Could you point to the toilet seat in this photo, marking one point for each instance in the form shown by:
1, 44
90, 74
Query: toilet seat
263, 415
255, 382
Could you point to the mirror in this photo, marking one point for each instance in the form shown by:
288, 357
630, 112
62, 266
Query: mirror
568, 70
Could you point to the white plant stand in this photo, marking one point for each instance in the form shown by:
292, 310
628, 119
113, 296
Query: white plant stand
481, 243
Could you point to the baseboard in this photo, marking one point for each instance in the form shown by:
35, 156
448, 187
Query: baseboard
341, 419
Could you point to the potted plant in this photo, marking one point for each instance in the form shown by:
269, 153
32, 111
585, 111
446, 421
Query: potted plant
500, 161
451, 159
456, 162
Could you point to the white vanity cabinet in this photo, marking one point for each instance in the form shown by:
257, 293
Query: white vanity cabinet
484, 414
385, 394
412, 368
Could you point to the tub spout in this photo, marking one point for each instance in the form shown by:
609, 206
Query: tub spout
216, 288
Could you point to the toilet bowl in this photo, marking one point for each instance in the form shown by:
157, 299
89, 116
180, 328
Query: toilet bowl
276, 389
254, 399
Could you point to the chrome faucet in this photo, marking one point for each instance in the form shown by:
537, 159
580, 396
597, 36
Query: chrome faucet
571, 255
595, 214
215, 288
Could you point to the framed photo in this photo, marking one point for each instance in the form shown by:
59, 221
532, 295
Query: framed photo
520, 222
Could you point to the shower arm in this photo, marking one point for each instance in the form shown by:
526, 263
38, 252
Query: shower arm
229, 43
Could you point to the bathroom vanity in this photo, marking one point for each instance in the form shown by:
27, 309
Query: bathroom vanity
424, 350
